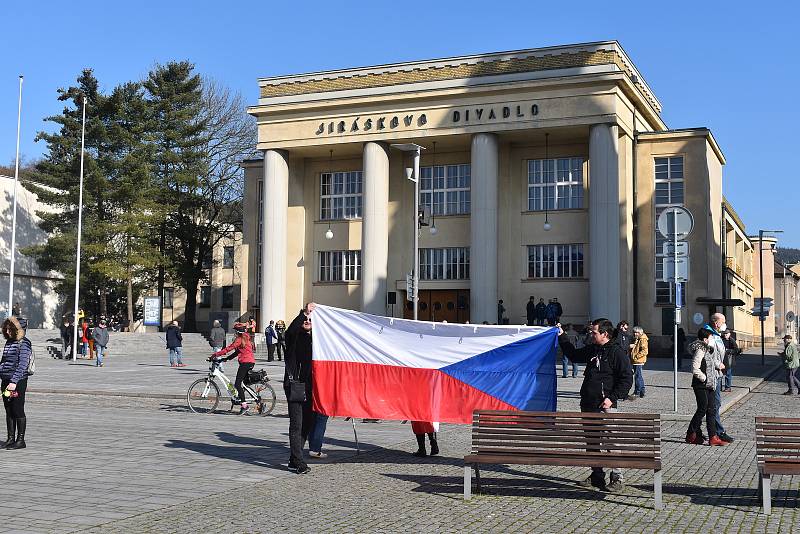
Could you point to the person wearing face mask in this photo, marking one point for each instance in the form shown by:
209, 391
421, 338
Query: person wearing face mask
707, 370
716, 327
298, 369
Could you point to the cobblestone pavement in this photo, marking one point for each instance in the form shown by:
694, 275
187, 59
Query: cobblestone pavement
706, 489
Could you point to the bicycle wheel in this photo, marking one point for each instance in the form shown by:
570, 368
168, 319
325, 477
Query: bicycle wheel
267, 394
203, 396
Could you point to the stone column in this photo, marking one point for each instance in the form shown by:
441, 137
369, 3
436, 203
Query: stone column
375, 228
275, 197
604, 224
483, 230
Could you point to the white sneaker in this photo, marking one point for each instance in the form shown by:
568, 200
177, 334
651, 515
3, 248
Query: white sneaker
319, 454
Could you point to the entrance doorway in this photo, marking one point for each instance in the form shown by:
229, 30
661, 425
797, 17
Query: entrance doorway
451, 305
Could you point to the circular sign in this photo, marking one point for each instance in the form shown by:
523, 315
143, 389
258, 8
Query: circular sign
675, 220
790, 316
697, 318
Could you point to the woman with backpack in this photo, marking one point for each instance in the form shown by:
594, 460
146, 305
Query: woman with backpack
14, 370
242, 348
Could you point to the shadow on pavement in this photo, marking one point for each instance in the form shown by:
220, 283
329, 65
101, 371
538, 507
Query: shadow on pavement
734, 498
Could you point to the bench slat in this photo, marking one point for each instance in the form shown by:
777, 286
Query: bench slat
494, 445
572, 422
500, 459
511, 433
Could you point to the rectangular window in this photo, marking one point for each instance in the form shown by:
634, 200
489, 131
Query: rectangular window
207, 261
555, 184
450, 263
227, 297
227, 257
205, 297
668, 191
445, 189
555, 261
340, 265
340, 195
169, 296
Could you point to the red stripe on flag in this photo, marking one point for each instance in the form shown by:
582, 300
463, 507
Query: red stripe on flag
350, 389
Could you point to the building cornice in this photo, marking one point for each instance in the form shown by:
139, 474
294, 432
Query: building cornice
687, 132
476, 68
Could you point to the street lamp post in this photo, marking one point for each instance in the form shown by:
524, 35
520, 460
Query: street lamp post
412, 173
14, 216
78, 253
761, 317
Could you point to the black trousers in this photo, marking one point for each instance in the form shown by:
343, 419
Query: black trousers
706, 407
15, 406
270, 352
281, 350
301, 421
241, 374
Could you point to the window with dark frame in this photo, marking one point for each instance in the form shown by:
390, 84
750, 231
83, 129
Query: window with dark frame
555, 261
555, 184
169, 296
227, 297
668, 191
227, 257
205, 297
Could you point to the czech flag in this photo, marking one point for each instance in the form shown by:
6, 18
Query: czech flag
384, 368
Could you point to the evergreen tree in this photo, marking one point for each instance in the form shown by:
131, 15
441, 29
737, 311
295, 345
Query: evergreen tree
59, 172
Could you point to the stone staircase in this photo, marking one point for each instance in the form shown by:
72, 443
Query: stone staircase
48, 342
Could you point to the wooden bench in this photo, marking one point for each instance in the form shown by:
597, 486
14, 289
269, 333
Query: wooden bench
625, 440
777, 452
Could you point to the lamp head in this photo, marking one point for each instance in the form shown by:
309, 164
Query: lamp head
547, 226
329, 234
409, 172
434, 230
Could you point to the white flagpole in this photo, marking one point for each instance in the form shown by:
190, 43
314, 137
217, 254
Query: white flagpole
78, 258
14, 216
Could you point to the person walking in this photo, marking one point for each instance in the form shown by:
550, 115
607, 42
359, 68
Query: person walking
731, 351
638, 359
241, 348
501, 310
622, 337
298, 369
607, 378
272, 339
217, 335
573, 338
706, 367
14, 366
66, 334
541, 312
530, 311
550, 313
280, 329
791, 361
716, 327
100, 337
175, 345
84, 325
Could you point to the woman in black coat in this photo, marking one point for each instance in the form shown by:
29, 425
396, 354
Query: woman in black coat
298, 367
14, 375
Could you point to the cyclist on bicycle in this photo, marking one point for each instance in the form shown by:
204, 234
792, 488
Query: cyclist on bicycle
242, 348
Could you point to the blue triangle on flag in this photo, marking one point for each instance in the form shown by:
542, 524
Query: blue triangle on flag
522, 373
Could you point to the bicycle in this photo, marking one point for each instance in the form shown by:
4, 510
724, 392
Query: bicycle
204, 394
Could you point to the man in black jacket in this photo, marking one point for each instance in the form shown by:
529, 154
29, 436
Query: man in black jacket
298, 367
607, 378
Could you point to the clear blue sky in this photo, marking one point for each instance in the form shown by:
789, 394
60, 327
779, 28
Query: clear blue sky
734, 68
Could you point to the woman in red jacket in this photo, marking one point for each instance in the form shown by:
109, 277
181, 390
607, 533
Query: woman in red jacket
243, 348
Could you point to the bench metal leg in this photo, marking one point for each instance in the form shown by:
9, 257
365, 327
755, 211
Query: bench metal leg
467, 482
766, 495
657, 489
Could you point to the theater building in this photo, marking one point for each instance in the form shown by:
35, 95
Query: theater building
544, 172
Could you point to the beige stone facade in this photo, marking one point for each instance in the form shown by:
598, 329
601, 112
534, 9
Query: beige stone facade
504, 120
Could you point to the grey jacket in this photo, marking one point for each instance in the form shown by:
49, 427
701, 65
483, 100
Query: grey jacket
100, 336
705, 365
217, 337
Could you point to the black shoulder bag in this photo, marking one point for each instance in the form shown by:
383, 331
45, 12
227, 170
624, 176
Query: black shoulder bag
297, 388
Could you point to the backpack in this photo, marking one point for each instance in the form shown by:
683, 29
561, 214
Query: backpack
32, 361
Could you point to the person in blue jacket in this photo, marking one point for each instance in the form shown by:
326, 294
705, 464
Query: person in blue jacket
14, 366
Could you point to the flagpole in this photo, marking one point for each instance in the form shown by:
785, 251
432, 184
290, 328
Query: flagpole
14, 216
78, 256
